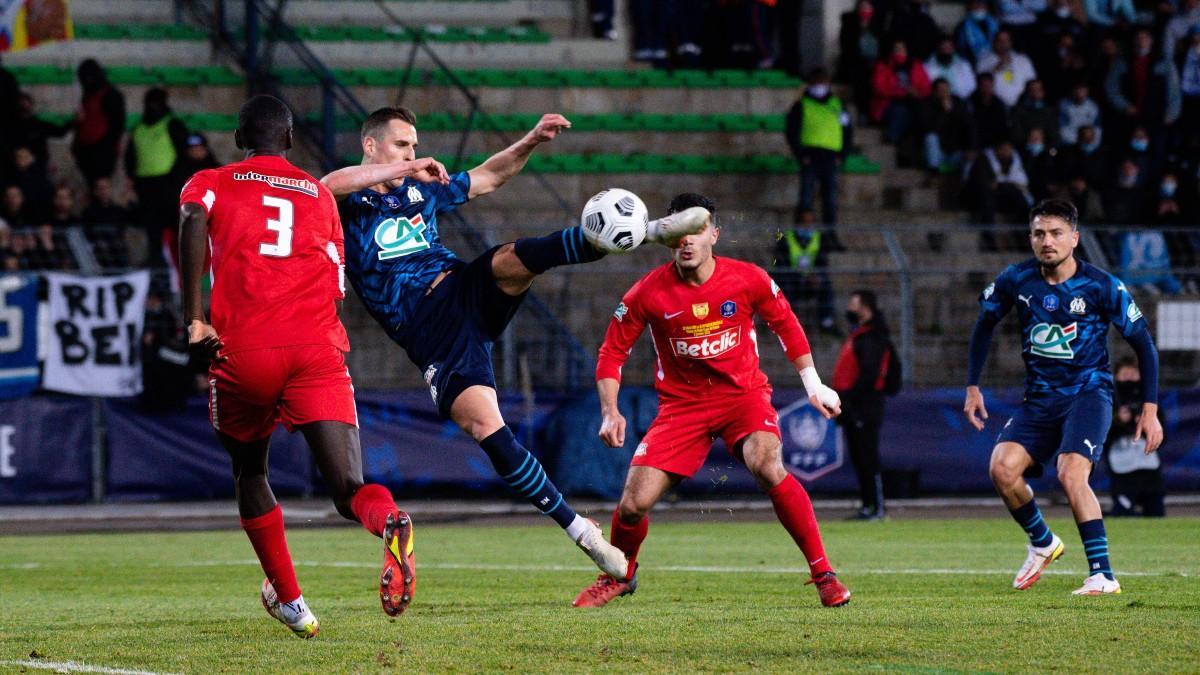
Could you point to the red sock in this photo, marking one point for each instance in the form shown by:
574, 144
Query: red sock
270, 544
372, 504
629, 538
795, 511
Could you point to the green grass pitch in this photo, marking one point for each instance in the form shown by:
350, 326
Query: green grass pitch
929, 596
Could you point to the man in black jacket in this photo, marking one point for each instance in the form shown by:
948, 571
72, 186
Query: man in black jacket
859, 378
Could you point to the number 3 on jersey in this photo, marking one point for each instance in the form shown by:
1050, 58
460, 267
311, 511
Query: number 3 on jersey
282, 247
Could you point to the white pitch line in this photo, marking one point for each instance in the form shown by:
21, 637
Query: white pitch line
73, 667
687, 569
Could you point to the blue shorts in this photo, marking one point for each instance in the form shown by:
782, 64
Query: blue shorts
453, 329
1046, 425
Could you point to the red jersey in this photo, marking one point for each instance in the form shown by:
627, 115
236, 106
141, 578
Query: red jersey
703, 335
277, 254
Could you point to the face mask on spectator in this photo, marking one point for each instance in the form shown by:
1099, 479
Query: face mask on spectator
1143, 51
1089, 148
1035, 149
1063, 12
865, 13
1168, 188
979, 14
1139, 144
1128, 180
818, 90
899, 59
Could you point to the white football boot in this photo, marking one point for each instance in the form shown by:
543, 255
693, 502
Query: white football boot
1098, 584
610, 559
668, 230
1036, 561
295, 614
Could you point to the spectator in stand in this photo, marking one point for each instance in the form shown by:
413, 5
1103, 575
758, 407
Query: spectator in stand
975, 33
105, 223
1179, 27
859, 41
1039, 161
1077, 111
817, 131
1087, 160
999, 184
947, 65
1019, 17
1144, 89
49, 250
198, 157
912, 22
99, 124
1189, 88
946, 127
1175, 205
990, 116
103, 209
62, 209
1139, 152
1057, 20
801, 261
1126, 195
31, 178
32, 133
9, 114
1034, 112
1108, 18
1108, 52
1137, 482
16, 211
156, 143
1062, 66
899, 83
1012, 70
1087, 199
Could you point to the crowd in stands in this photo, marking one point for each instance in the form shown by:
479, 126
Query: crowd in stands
1024, 99
41, 201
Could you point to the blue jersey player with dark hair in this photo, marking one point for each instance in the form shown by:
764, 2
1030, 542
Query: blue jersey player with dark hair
1065, 306
446, 312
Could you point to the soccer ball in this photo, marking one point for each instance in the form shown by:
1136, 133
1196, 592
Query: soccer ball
614, 221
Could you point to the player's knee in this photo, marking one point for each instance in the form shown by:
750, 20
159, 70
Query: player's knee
1003, 475
631, 510
1073, 480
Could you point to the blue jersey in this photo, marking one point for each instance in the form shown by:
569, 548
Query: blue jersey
393, 249
1064, 327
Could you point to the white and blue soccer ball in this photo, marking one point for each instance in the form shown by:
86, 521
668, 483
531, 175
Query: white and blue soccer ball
614, 221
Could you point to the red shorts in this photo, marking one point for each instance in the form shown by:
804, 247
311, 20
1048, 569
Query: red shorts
253, 391
680, 437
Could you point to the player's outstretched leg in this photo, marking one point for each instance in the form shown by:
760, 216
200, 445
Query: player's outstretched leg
761, 452
1008, 464
262, 520
336, 447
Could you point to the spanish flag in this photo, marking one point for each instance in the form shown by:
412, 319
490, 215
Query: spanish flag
27, 23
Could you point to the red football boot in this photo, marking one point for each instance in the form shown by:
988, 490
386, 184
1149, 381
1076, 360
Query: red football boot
399, 578
605, 589
833, 592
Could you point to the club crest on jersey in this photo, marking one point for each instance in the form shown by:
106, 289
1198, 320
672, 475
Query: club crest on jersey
391, 201
398, 237
621, 311
414, 194
1052, 340
728, 308
700, 310
1050, 303
1078, 306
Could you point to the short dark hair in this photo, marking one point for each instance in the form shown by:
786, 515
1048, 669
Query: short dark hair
1056, 208
689, 199
380, 118
264, 122
868, 299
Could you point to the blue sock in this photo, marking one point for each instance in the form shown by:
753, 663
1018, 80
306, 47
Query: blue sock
1029, 517
565, 247
1095, 547
525, 474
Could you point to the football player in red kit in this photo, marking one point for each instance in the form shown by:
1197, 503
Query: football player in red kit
700, 309
276, 346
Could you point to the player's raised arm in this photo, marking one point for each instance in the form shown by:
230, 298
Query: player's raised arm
354, 178
623, 331
503, 165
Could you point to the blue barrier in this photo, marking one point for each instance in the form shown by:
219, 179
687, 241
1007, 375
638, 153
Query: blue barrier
45, 450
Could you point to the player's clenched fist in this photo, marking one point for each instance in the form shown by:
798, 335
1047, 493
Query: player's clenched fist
549, 127
612, 429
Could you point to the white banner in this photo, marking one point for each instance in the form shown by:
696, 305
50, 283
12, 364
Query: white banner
96, 334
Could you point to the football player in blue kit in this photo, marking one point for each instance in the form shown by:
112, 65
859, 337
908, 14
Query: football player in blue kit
446, 312
1065, 306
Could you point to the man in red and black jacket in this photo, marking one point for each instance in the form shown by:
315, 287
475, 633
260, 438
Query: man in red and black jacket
860, 377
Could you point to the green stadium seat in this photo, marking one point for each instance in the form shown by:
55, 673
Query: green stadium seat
38, 74
131, 75
857, 164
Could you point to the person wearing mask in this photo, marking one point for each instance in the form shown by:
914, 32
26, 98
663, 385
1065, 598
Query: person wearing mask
1087, 159
1075, 112
1136, 476
1038, 158
99, 124
817, 130
990, 116
1034, 111
1012, 70
947, 65
860, 377
899, 83
859, 42
1143, 88
974, 34
946, 127
800, 265
156, 143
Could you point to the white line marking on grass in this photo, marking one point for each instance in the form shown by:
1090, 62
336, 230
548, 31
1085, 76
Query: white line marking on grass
72, 667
